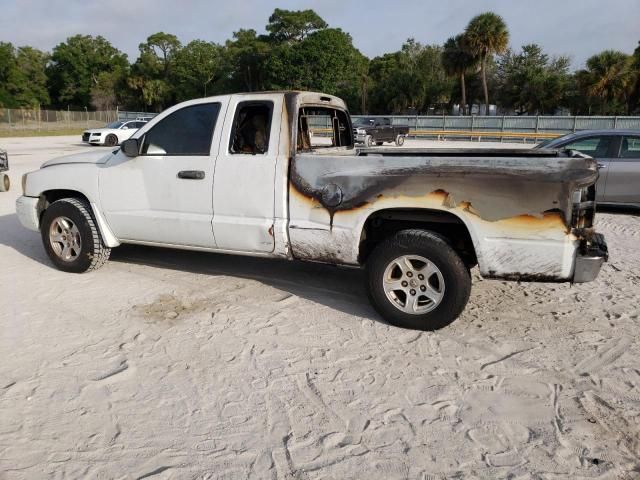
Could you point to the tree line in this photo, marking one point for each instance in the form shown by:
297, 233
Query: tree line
299, 50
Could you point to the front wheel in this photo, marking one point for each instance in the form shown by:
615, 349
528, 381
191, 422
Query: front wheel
71, 238
368, 141
5, 183
111, 140
416, 280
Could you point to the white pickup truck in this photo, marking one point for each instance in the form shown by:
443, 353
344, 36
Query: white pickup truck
247, 174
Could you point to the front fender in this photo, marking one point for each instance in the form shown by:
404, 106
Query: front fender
81, 179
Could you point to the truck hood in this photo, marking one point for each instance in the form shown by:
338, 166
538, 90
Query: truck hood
84, 157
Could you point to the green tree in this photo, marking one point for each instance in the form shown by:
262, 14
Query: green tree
75, 66
151, 74
326, 61
635, 89
531, 82
23, 82
457, 61
411, 80
293, 26
608, 81
197, 66
486, 35
246, 54
157, 54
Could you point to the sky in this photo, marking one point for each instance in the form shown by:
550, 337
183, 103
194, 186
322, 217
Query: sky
577, 28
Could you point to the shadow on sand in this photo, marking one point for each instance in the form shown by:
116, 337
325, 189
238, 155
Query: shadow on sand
340, 288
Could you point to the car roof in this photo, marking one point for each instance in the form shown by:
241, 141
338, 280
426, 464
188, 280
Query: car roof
606, 131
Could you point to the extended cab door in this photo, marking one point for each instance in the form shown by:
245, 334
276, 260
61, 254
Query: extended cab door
623, 177
244, 180
164, 195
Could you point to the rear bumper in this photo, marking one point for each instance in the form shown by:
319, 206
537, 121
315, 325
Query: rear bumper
27, 211
590, 260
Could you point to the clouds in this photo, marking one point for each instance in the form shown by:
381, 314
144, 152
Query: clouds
578, 28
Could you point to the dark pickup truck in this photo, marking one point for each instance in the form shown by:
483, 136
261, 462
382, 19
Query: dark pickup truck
4, 166
378, 130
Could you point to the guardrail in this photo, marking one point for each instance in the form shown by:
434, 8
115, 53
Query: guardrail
534, 127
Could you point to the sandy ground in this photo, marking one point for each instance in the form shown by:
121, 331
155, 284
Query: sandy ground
170, 364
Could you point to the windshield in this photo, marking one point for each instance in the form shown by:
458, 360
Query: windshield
114, 125
553, 142
362, 121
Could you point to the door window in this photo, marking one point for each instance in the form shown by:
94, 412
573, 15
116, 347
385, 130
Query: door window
251, 127
630, 148
597, 147
320, 127
187, 131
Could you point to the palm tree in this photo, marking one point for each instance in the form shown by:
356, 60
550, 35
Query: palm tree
457, 61
609, 79
486, 34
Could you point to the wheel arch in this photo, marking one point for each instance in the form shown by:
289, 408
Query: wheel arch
383, 223
47, 197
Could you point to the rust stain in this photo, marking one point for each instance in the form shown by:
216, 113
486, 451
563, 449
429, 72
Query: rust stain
548, 220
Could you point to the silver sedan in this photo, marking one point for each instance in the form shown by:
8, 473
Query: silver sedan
618, 156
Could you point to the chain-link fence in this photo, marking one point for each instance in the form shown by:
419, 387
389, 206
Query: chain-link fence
35, 119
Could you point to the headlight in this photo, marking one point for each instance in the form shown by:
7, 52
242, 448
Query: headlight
24, 184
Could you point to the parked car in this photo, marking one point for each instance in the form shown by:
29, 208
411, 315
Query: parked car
378, 130
113, 133
5, 182
618, 156
417, 219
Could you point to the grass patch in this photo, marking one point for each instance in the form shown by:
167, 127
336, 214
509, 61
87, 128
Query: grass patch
41, 133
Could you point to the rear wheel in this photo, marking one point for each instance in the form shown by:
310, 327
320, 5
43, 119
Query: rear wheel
111, 140
5, 183
71, 237
416, 280
400, 140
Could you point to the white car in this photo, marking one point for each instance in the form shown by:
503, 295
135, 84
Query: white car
112, 134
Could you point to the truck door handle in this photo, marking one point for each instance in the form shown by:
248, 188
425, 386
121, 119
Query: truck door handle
191, 174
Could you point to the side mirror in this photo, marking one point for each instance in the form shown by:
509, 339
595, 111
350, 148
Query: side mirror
130, 147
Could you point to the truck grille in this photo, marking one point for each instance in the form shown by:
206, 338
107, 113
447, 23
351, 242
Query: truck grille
4, 160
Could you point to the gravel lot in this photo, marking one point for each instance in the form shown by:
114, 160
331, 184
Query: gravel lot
173, 364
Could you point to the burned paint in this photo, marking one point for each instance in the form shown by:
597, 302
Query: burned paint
497, 188
503, 201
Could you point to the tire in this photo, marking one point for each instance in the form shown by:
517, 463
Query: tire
368, 141
71, 221
439, 296
399, 140
5, 182
111, 140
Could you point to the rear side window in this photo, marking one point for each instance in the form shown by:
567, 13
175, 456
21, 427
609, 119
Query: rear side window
597, 147
630, 147
251, 127
187, 131
323, 127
